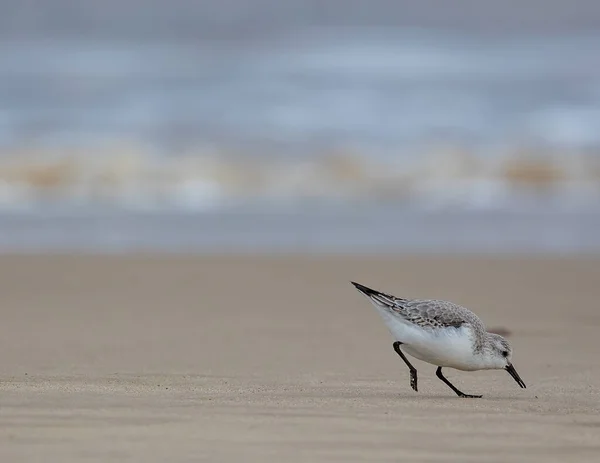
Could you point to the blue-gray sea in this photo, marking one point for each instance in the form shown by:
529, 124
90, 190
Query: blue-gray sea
300, 126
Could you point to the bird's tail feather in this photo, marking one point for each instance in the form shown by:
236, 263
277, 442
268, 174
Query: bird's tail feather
377, 297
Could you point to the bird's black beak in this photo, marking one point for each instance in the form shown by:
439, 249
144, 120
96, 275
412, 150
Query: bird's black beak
512, 372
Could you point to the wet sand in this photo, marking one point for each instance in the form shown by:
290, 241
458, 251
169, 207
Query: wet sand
254, 359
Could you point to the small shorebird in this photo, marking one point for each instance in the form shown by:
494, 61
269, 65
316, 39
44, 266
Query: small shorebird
443, 334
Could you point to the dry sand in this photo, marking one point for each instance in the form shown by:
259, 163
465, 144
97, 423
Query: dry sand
254, 359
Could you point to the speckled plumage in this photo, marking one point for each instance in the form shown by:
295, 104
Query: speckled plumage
433, 314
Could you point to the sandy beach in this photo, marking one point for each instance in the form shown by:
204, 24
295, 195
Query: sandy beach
254, 359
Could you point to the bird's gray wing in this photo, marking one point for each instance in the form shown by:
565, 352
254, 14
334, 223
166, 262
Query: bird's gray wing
436, 314
425, 313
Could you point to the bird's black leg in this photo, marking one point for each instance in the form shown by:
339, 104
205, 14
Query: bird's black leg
413, 370
439, 374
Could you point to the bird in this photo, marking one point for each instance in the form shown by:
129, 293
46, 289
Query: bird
443, 334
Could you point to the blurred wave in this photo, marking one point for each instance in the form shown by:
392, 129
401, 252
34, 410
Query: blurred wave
130, 177
368, 88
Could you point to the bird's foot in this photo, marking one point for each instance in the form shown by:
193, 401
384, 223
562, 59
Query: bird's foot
413, 380
469, 396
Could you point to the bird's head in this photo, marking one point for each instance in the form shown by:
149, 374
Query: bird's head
498, 355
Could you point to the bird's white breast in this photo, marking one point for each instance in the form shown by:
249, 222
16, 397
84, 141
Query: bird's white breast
444, 347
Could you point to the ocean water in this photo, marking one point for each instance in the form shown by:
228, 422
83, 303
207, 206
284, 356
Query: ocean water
356, 88
299, 125
383, 230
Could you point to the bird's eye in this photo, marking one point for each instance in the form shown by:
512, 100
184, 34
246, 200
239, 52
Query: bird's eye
505, 353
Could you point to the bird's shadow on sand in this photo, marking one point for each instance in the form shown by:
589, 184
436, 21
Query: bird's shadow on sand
485, 398
415, 396
401, 396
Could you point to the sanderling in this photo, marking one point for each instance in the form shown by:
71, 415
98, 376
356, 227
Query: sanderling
443, 334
